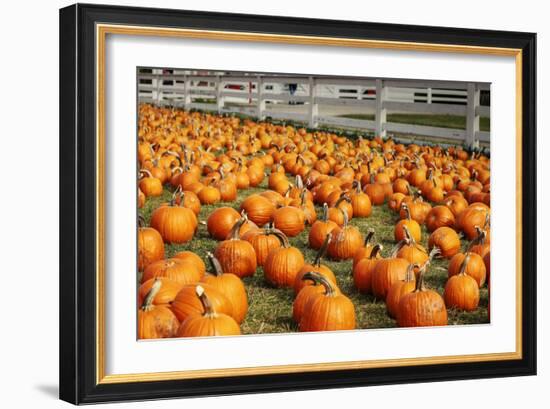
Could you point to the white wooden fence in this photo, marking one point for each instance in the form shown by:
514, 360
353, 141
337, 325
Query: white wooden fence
264, 96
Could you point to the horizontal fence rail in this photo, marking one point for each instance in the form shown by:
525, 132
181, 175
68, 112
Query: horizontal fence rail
341, 101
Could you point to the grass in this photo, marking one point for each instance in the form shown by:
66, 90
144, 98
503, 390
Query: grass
441, 121
270, 309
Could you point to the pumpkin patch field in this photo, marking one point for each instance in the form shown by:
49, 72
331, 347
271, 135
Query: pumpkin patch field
250, 227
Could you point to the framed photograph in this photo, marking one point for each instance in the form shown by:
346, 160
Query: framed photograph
257, 203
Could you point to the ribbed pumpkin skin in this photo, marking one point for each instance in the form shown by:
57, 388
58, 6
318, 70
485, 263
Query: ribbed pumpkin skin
187, 303
282, 265
150, 247
159, 322
362, 274
328, 313
233, 288
180, 271
192, 258
290, 220
412, 225
166, 294
237, 257
447, 240
473, 215
262, 243
475, 267
258, 208
438, 217
422, 309
361, 205
208, 326
151, 186
395, 293
462, 292
413, 253
387, 272
345, 242
220, 222
319, 231
175, 224
302, 299
190, 200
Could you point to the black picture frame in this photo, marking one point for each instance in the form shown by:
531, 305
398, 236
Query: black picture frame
78, 382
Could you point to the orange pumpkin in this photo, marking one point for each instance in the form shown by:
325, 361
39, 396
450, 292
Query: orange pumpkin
327, 311
422, 307
399, 289
150, 247
230, 285
283, 264
461, 289
155, 321
235, 255
209, 323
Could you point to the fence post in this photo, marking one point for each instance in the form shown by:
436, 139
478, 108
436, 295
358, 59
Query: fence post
381, 112
472, 114
186, 97
220, 100
159, 92
313, 106
260, 102
429, 96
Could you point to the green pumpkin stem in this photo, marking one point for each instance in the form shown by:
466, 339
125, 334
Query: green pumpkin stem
147, 304
320, 279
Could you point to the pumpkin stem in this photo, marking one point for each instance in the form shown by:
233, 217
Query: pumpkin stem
395, 249
407, 210
325, 212
368, 237
281, 236
141, 220
480, 239
409, 276
375, 250
149, 174
206, 304
434, 252
322, 250
299, 182
321, 279
343, 197
408, 237
464, 264
357, 185
420, 278
234, 234
215, 263
148, 301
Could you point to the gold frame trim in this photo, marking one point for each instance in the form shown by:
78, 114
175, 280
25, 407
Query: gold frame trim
101, 32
